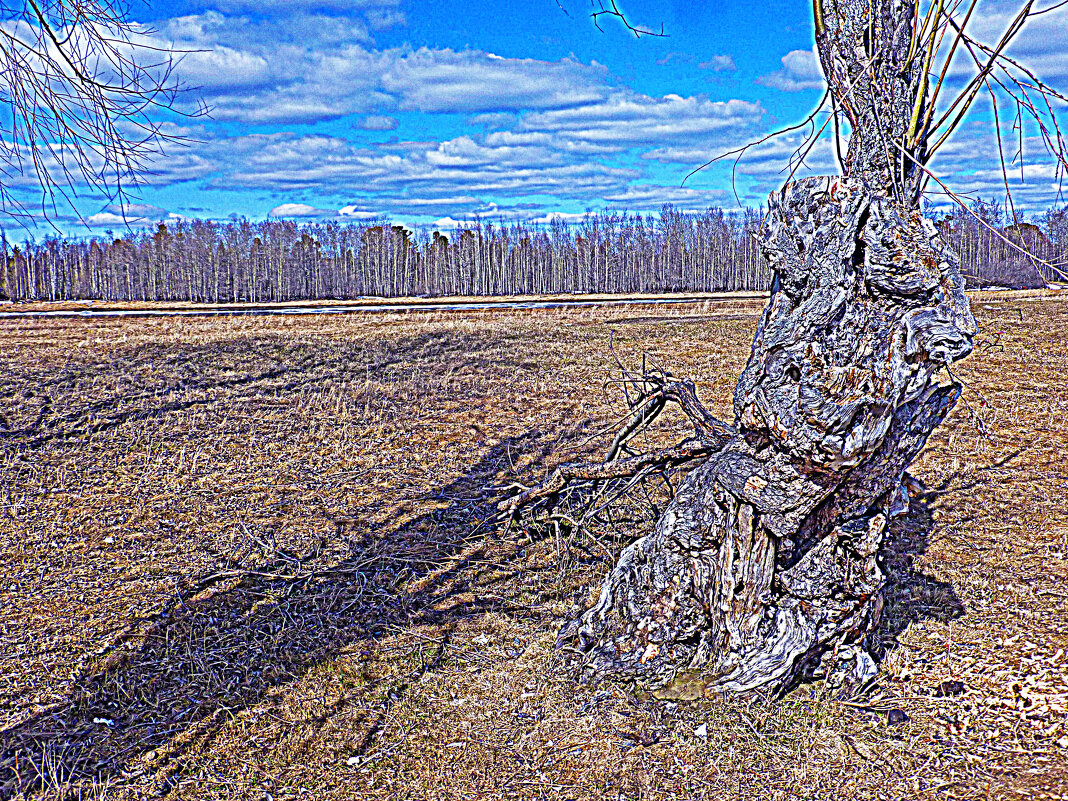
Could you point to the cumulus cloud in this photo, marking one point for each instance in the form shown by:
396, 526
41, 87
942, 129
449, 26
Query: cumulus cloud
570, 135
369, 6
1040, 46
760, 169
800, 70
223, 68
449, 223
497, 150
767, 166
287, 162
309, 67
560, 216
261, 73
307, 211
970, 167
178, 164
638, 197
301, 69
415, 205
540, 135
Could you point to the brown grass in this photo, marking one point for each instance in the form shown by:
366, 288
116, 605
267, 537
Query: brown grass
142, 305
251, 558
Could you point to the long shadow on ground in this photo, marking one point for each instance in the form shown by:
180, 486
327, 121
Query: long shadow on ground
52, 406
234, 634
225, 647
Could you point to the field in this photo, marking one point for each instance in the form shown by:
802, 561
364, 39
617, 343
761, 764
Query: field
256, 558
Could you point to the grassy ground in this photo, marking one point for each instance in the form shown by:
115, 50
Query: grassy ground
254, 558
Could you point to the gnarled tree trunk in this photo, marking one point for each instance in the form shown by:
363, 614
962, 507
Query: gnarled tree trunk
765, 565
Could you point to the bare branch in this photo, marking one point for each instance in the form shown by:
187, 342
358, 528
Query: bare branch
612, 10
81, 86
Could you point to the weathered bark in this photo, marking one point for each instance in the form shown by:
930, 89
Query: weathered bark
765, 565
876, 69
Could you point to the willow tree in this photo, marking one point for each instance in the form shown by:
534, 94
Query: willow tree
765, 565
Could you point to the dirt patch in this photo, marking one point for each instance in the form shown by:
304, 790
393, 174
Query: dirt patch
256, 558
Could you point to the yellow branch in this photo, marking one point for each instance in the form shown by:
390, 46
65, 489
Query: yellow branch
921, 90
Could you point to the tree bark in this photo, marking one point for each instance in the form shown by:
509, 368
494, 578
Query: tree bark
765, 566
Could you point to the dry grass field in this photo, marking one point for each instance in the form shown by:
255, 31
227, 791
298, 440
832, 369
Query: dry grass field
255, 558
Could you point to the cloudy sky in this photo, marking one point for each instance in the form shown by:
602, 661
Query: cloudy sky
435, 112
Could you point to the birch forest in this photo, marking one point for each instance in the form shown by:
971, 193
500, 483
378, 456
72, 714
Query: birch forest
203, 261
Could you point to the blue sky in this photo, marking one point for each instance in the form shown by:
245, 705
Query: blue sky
432, 113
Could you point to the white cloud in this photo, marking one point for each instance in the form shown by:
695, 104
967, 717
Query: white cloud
448, 223
370, 6
569, 130
723, 63
969, 166
778, 156
800, 70
559, 216
302, 68
458, 167
466, 152
300, 211
638, 197
354, 212
223, 68
106, 219
1040, 46
627, 119
308, 67
280, 107
133, 214
179, 163
418, 205
539, 134
760, 169
473, 81
378, 122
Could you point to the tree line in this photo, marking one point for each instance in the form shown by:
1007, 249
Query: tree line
995, 251
277, 260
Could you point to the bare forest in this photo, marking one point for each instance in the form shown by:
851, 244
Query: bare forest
242, 261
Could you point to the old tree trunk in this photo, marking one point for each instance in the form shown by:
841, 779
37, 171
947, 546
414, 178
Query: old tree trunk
765, 566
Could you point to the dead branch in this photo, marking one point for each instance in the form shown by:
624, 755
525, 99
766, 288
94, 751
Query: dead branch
577, 492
